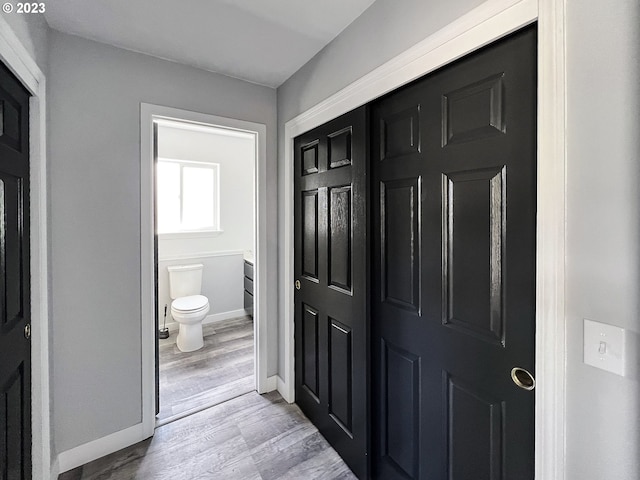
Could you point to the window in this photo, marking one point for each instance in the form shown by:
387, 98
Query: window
188, 196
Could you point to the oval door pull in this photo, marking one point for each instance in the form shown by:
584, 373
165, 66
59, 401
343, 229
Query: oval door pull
297, 284
27, 331
523, 378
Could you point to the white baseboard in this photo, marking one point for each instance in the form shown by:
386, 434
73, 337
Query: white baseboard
283, 389
271, 384
214, 318
95, 449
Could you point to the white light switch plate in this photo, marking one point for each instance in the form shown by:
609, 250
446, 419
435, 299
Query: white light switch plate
604, 346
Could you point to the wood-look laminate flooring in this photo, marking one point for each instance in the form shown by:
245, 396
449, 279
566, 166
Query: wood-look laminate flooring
251, 437
219, 371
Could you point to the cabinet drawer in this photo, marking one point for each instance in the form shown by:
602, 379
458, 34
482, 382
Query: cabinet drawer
248, 270
248, 301
248, 285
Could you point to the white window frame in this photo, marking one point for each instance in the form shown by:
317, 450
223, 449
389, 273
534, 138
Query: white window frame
204, 232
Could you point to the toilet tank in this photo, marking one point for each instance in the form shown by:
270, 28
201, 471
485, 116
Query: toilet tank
185, 280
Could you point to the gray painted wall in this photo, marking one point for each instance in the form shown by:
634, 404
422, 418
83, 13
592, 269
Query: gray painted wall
94, 142
603, 232
384, 30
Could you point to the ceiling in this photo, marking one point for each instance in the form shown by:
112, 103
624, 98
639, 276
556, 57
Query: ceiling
262, 41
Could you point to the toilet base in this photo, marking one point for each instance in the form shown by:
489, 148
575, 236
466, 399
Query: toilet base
190, 337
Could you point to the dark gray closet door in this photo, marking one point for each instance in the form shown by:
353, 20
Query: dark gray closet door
331, 269
453, 293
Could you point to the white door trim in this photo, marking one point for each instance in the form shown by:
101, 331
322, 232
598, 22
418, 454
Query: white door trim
149, 112
550, 243
488, 22
22, 64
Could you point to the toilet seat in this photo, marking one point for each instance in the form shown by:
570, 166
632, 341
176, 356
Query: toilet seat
191, 304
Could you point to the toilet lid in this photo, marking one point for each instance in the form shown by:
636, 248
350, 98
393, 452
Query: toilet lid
190, 303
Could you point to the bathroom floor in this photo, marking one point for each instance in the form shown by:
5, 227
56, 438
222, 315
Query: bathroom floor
220, 371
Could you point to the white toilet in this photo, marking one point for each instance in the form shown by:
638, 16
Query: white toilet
188, 307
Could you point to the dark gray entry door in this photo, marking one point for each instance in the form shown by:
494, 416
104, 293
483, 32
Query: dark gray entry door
453, 295
15, 298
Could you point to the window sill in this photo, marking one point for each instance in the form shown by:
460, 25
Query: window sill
182, 235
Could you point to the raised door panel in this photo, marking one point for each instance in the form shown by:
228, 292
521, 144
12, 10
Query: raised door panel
310, 234
340, 232
309, 158
12, 295
11, 119
340, 375
310, 352
474, 215
400, 243
400, 445
400, 133
474, 433
339, 148
474, 111
13, 416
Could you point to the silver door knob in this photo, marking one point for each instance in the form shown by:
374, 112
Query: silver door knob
522, 378
27, 331
297, 284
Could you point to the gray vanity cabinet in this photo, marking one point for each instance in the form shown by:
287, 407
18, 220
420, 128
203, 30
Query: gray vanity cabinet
248, 287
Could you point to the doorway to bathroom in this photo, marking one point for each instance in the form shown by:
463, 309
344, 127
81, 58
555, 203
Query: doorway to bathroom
206, 243
204, 179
